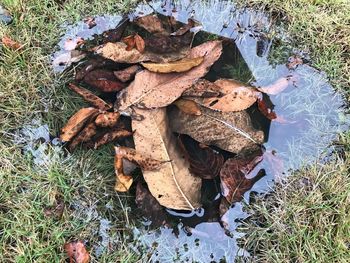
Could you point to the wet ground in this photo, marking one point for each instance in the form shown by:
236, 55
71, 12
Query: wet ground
309, 112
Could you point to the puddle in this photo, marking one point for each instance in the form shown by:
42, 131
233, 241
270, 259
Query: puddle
310, 115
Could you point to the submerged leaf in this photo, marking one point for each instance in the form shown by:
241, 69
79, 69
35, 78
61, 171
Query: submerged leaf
150, 90
77, 252
152, 24
77, 122
182, 65
277, 87
171, 184
188, 106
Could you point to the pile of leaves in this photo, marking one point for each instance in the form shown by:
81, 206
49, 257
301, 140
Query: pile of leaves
192, 138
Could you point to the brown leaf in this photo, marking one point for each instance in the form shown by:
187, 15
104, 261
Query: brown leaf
107, 119
236, 96
103, 80
277, 87
150, 90
149, 206
111, 136
95, 63
237, 176
77, 252
130, 42
182, 65
184, 29
85, 135
204, 89
127, 74
294, 62
265, 110
172, 184
140, 43
77, 122
152, 24
114, 35
188, 106
117, 53
230, 131
166, 44
87, 95
10, 43
147, 164
204, 161
123, 181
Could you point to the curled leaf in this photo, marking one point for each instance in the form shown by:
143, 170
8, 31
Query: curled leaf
85, 135
188, 106
111, 136
265, 110
140, 43
94, 100
130, 42
77, 252
107, 119
77, 122
127, 74
103, 80
182, 65
123, 181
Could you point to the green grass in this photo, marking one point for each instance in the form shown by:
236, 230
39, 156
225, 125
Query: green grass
299, 223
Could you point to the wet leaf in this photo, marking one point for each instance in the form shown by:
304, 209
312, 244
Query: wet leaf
188, 106
140, 43
77, 252
182, 65
238, 176
123, 181
130, 42
87, 95
184, 29
230, 131
127, 74
150, 90
10, 43
204, 161
172, 184
85, 135
77, 122
204, 89
107, 119
149, 206
103, 80
67, 58
117, 53
90, 21
111, 136
166, 44
95, 63
152, 24
235, 96
114, 35
277, 87
265, 110
294, 62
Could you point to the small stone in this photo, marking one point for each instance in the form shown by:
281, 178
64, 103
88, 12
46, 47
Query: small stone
5, 17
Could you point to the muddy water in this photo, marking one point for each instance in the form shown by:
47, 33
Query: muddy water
310, 115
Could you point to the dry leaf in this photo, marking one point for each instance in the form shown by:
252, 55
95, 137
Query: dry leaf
103, 80
235, 96
94, 100
204, 161
203, 88
123, 181
147, 164
77, 122
188, 106
126, 74
265, 110
77, 252
152, 24
150, 90
230, 131
140, 43
277, 87
111, 136
85, 135
11, 44
107, 119
117, 53
172, 184
182, 65
237, 176
130, 42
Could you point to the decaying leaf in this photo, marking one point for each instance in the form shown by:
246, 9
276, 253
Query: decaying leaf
150, 90
235, 96
95, 63
85, 135
238, 176
204, 89
87, 95
77, 122
10, 43
204, 161
230, 131
182, 65
171, 184
123, 181
277, 87
149, 206
139, 43
188, 106
166, 44
107, 119
265, 110
77, 252
146, 163
111, 136
129, 42
127, 74
152, 24
117, 53
103, 80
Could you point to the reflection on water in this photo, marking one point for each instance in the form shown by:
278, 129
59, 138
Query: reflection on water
310, 116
